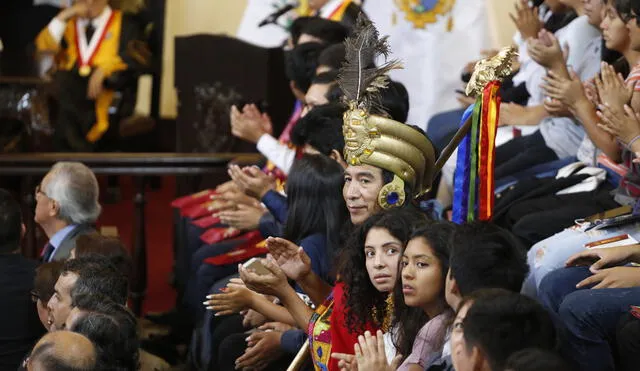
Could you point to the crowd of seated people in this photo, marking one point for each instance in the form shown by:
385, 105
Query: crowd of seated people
325, 259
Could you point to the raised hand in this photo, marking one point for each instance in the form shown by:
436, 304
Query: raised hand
526, 19
79, 9
612, 89
251, 180
568, 91
624, 125
370, 354
291, 258
273, 283
244, 218
247, 126
251, 112
546, 51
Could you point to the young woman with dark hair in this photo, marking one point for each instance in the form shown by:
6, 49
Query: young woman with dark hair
421, 310
367, 272
376, 246
313, 214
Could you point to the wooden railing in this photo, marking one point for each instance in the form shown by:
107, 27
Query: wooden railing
34, 165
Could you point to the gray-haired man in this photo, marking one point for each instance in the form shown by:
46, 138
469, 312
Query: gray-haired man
66, 207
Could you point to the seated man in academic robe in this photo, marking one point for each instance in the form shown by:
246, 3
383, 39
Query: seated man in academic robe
94, 47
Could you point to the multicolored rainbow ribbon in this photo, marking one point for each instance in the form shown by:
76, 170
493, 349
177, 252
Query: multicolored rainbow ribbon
473, 195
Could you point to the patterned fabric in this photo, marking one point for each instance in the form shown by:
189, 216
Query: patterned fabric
320, 335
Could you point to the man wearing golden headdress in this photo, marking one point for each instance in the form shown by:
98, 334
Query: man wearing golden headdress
92, 45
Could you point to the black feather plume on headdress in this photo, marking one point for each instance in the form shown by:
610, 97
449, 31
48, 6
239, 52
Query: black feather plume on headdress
360, 80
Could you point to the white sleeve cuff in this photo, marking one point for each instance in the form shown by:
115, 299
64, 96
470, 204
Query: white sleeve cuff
280, 154
56, 29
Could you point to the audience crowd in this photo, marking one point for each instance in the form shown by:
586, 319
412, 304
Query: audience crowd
323, 259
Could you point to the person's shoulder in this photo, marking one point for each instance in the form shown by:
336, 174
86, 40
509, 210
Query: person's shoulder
314, 241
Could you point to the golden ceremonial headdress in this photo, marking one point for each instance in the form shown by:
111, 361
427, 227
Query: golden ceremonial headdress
371, 138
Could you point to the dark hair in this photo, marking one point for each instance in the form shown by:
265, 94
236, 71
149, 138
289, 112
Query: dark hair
97, 275
484, 255
328, 31
321, 128
44, 355
45, 280
301, 63
10, 223
503, 323
333, 56
395, 101
97, 245
314, 199
409, 320
623, 8
361, 296
112, 328
535, 359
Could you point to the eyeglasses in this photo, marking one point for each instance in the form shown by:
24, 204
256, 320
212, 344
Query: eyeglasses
39, 190
34, 296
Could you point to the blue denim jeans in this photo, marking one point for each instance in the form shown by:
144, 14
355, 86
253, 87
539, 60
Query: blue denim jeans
550, 254
589, 317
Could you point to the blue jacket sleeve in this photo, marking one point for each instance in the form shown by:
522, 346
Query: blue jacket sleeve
269, 226
315, 246
292, 340
277, 205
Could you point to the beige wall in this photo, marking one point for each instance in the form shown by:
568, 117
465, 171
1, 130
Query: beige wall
184, 17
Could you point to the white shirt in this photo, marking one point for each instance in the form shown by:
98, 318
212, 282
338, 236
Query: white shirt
433, 57
280, 154
56, 27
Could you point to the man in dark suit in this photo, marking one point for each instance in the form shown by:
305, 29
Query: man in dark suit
66, 207
20, 327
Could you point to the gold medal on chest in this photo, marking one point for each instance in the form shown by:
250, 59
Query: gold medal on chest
84, 71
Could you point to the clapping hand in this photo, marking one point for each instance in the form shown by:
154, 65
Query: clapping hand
273, 283
568, 91
251, 180
369, 355
546, 51
244, 218
612, 89
249, 124
623, 125
526, 19
291, 258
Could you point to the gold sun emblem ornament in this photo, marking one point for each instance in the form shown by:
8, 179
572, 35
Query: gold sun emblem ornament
424, 12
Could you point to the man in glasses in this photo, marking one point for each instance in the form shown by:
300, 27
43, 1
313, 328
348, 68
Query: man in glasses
19, 324
66, 207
